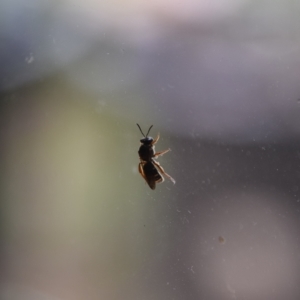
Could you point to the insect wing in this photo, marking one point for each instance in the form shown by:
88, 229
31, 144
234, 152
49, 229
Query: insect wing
151, 175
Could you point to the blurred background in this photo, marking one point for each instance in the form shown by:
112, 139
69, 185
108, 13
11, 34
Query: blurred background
219, 80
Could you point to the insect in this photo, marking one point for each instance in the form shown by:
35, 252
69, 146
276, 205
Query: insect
150, 169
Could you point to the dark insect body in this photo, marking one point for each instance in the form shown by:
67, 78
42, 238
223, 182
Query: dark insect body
149, 168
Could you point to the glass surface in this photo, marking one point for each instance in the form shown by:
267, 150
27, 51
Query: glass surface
219, 81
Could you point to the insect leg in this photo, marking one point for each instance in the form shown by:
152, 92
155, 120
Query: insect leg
161, 153
141, 171
156, 140
162, 170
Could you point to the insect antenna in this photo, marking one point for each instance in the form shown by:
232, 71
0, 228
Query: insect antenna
140, 129
149, 130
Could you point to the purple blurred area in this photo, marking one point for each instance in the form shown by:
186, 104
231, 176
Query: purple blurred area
219, 80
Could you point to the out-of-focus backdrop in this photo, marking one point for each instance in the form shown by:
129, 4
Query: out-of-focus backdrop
219, 80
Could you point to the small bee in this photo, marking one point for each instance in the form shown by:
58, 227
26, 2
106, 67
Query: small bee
150, 169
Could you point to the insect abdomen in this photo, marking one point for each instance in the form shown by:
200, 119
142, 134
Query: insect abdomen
152, 175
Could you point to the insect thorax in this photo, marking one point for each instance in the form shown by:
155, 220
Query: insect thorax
146, 152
